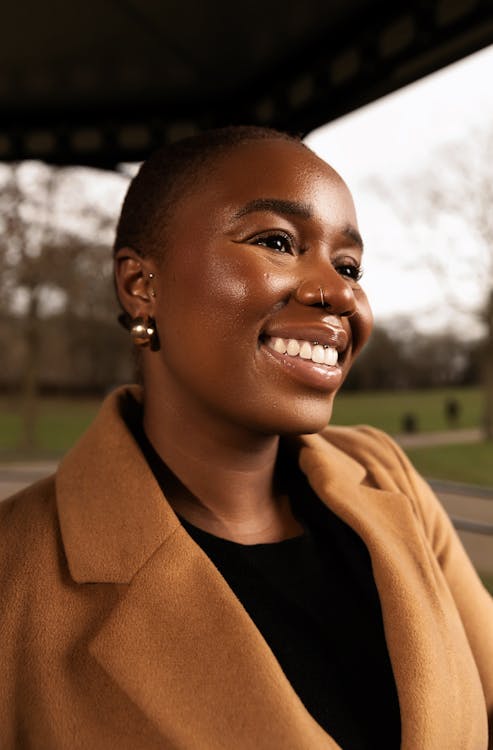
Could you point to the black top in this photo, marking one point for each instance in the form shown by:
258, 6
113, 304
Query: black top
314, 600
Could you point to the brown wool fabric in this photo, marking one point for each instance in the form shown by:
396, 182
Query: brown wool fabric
116, 630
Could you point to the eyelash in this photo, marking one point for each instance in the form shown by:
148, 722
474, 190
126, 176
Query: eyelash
355, 271
286, 238
350, 270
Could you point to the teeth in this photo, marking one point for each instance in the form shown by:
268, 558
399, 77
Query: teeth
316, 352
330, 356
306, 350
293, 348
279, 345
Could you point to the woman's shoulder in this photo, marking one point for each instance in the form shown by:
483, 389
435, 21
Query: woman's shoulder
31, 501
28, 524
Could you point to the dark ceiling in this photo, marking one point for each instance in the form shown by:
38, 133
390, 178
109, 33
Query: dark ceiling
103, 82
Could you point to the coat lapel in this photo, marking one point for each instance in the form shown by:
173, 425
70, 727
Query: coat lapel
183, 648
111, 510
424, 634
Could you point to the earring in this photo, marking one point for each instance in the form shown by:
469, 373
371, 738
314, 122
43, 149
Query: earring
144, 332
151, 276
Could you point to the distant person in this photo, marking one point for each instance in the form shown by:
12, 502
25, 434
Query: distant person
211, 567
452, 412
409, 422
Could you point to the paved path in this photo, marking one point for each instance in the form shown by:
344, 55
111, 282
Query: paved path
15, 476
474, 505
419, 439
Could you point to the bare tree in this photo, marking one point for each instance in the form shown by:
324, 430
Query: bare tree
47, 266
449, 205
396, 360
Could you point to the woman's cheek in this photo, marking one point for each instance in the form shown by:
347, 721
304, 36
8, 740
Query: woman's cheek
361, 322
241, 284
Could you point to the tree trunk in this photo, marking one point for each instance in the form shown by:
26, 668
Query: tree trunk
29, 382
488, 370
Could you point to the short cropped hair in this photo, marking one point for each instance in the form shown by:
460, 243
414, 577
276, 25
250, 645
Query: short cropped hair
167, 174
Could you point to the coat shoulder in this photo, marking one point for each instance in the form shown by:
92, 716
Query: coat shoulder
34, 504
29, 531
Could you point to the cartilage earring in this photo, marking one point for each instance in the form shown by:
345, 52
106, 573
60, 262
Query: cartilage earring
151, 276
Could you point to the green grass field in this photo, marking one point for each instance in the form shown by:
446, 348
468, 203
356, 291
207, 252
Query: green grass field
385, 410
471, 463
62, 420
487, 581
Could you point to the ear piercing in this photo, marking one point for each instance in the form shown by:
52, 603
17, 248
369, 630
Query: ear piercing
153, 291
144, 332
142, 329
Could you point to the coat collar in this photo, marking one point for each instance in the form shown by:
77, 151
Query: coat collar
112, 513
111, 509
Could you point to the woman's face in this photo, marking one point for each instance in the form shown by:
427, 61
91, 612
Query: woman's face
249, 253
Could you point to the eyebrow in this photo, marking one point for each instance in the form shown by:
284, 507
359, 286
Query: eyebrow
293, 208
352, 234
275, 205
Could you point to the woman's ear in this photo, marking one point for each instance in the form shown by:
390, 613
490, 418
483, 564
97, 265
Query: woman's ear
134, 277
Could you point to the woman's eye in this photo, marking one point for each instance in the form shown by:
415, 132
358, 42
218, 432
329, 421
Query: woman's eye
279, 242
351, 271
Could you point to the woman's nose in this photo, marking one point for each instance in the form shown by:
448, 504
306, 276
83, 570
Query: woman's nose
328, 290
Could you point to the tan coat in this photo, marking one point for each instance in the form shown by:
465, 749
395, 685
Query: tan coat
118, 632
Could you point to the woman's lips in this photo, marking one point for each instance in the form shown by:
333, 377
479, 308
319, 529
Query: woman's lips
309, 362
313, 333
319, 353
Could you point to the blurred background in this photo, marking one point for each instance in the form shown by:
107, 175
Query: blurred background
398, 100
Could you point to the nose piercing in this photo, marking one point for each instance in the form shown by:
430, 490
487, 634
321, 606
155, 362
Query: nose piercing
322, 298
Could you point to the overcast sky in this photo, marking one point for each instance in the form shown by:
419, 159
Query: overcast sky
398, 135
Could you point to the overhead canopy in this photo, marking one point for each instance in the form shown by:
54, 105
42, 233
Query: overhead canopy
101, 82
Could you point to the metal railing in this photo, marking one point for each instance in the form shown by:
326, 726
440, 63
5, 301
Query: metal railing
476, 527
475, 491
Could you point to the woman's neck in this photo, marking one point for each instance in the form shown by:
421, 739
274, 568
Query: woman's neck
228, 476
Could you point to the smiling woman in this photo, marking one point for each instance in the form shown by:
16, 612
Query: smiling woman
246, 254
212, 566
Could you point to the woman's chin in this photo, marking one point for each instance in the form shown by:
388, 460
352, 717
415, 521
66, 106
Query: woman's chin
303, 421
307, 427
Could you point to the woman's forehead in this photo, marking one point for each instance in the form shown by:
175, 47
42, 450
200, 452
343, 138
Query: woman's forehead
269, 170
274, 158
